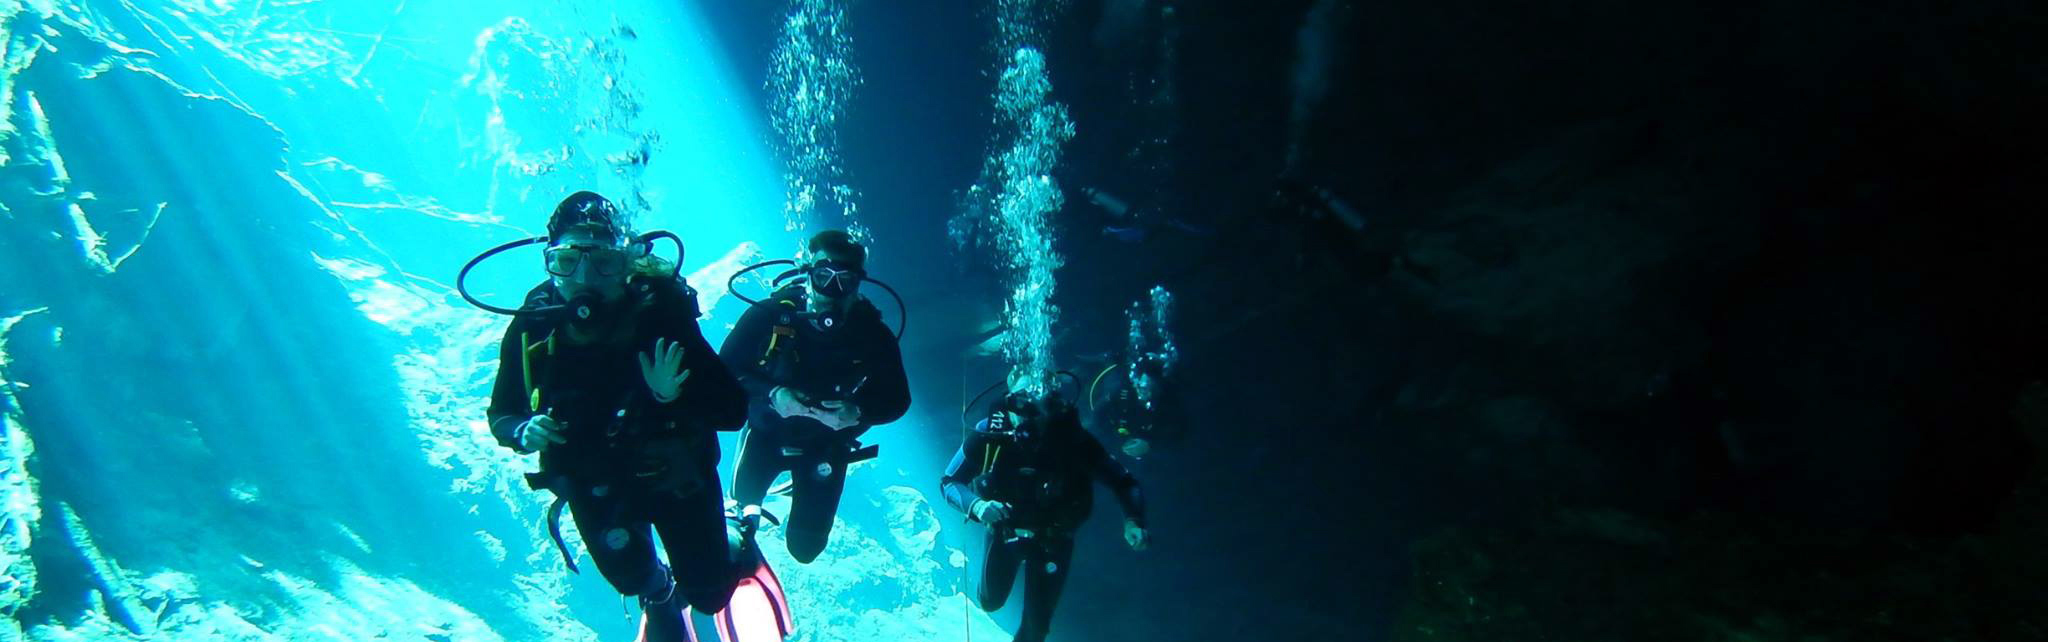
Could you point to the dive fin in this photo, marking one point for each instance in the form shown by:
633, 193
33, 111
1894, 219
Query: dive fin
666, 621
758, 612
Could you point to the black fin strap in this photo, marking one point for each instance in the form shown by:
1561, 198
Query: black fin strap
555, 531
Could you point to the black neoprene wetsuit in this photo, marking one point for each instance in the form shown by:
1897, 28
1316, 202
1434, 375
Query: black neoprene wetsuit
851, 357
1046, 478
1120, 417
629, 464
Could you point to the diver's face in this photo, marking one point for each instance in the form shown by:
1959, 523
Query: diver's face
584, 261
831, 281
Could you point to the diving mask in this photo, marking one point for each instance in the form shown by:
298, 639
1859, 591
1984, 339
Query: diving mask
603, 260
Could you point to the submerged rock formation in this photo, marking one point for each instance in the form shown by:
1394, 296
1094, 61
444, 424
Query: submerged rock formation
187, 460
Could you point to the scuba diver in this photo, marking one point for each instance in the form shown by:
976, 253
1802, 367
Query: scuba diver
1130, 224
1032, 490
1142, 406
1141, 415
820, 368
1316, 203
604, 371
1333, 233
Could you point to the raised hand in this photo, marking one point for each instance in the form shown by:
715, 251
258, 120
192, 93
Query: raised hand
664, 370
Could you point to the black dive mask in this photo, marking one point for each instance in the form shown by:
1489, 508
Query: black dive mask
834, 280
600, 260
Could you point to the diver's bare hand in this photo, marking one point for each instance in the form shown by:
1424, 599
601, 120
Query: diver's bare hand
989, 511
787, 403
663, 369
1137, 448
839, 415
1136, 535
539, 432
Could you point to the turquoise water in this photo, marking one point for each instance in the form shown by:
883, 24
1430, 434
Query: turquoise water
242, 398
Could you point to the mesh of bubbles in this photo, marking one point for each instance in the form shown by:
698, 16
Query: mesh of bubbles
1151, 352
1007, 212
811, 79
532, 82
1022, 214
1019, 22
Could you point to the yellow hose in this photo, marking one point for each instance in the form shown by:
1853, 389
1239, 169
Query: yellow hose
1098, 381
526, 371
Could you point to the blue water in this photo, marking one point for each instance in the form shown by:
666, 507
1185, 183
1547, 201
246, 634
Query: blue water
242, 398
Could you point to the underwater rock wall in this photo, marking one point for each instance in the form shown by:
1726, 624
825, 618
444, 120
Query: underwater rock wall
1620, 265
1698, 352
211, 482
1602, 574
20, 506
210, 465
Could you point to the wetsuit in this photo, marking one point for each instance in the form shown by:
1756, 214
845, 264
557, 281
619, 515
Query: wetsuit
1046, 479
852, 358
1121, 417
629, 465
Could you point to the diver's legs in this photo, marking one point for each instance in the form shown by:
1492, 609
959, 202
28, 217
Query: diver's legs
1045, 574
815, 502
618, 541
760, 460
693, 533
662, 618
998, 572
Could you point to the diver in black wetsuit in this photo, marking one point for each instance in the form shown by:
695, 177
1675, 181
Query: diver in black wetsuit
820, 368
1140, 419
622, 396
1025, 472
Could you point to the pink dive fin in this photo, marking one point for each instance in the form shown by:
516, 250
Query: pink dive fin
689, 630
758, 611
